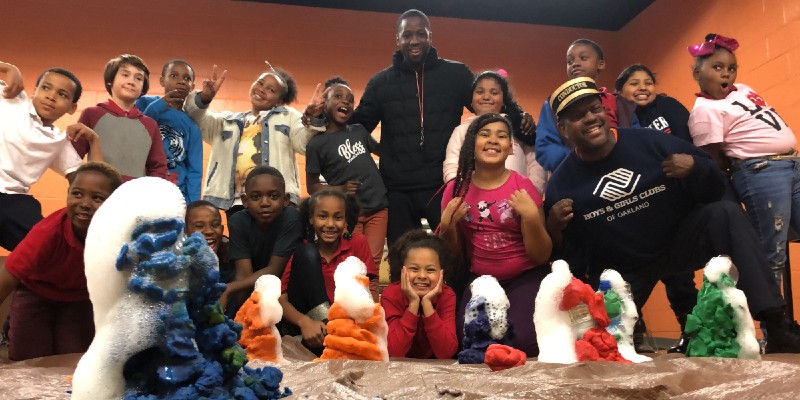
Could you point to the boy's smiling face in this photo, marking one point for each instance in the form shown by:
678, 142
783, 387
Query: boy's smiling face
264, 198
207, 221
53, 97
87, 192
128, 84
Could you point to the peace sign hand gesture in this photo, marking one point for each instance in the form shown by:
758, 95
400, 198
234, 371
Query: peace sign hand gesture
211, 86
317, 103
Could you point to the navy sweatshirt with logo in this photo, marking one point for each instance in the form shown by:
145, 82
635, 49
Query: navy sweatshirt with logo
626, 211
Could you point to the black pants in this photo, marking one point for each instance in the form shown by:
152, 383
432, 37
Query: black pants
306, 289
407, 208
18, 214
719, 228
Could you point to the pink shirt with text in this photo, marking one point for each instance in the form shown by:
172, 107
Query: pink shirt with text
743, 122
492, 228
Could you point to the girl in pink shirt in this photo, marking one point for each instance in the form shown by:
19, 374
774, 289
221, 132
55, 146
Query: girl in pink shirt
751, 142
496, 216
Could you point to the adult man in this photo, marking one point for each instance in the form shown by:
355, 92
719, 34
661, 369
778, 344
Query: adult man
419, 100
647, 205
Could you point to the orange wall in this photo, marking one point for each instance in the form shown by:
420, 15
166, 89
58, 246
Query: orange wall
314, 44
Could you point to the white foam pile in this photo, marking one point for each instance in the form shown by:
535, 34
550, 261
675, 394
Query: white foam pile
125, 323
628, 317
554, 331
269, 309
496, 304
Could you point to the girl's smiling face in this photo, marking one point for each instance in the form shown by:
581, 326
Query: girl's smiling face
487, 97
424, 270
329, 220
640, 88
493, 144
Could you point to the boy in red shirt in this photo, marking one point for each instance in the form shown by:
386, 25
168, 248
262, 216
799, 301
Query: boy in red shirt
50, 311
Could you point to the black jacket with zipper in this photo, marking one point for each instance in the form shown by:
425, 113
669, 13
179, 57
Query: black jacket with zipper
391, 98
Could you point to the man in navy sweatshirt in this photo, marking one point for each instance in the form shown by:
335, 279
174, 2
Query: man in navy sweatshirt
648, 205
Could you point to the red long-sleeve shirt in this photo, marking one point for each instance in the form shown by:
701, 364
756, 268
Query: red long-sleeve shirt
416, 336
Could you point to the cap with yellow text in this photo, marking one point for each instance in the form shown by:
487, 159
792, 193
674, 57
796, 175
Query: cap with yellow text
572, 91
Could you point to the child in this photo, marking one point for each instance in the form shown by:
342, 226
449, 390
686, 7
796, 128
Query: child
654, 110
183, 146
495, 214
584, 59
130, 140
50, 311
307, 282
30, 143
421, 308
637, 84
204, 217
342, 156
491, 94
270, 133
263, 235
750, 141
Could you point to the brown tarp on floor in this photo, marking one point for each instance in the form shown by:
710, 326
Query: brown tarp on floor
667, 377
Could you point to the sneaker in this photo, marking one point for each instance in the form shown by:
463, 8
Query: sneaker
784, 337
681, 345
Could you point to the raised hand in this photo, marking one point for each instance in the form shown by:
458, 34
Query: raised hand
559, 217
316, 106
175, 98
528, 125
455, 210
524, 205
14, 82
211, 86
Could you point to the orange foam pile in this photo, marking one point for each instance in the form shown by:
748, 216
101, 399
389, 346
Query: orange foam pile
350, 340
258, 340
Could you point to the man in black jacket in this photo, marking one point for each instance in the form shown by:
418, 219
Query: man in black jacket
419, 100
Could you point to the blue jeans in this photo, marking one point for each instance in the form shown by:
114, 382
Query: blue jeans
770, 191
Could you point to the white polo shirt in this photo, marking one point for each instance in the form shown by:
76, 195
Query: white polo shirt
28, 148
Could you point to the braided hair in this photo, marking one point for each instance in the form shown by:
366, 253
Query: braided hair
466, 159
352, 209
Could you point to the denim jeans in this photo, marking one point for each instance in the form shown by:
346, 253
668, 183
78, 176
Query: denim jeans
770, 191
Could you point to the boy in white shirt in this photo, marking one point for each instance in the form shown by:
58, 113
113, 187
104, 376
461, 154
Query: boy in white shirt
30, 143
